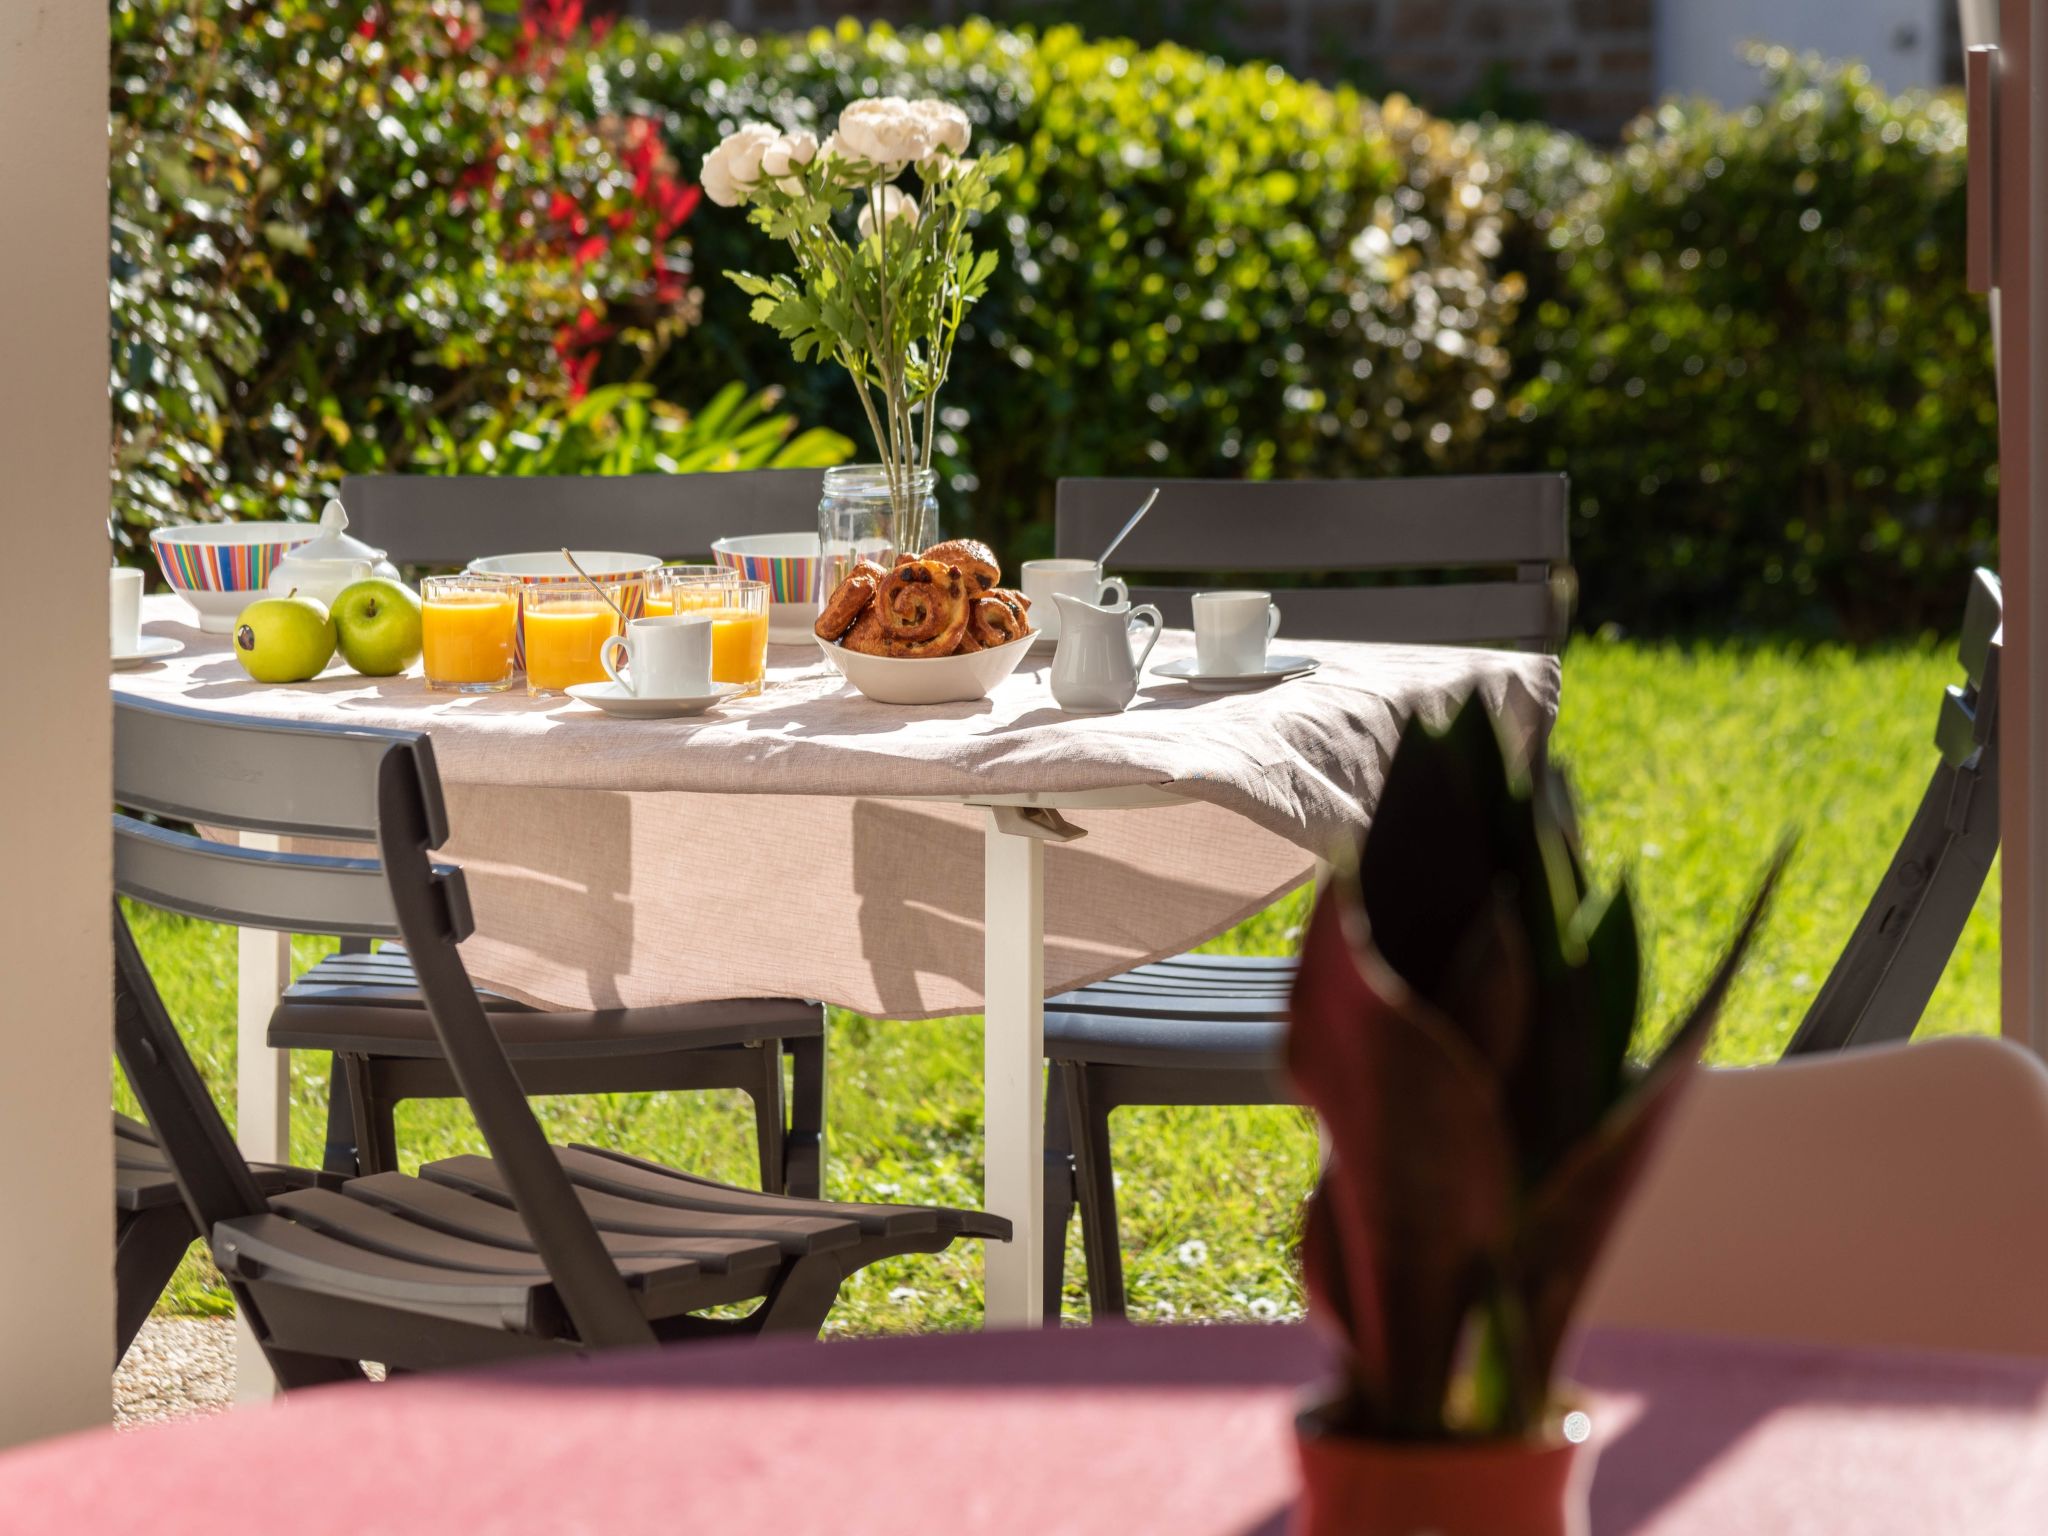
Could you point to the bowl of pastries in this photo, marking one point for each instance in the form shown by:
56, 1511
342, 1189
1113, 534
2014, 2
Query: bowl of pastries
936, 628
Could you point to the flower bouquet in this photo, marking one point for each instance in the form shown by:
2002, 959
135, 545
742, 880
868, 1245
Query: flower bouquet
1461, 1023
885, 265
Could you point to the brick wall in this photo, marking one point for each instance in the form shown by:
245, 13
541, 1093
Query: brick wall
1587, 64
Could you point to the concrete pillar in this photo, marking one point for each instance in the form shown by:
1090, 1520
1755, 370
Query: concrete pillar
56, 1149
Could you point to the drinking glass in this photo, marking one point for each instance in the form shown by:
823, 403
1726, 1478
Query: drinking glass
858, 520
693, 588
567, 625
739, 633
469, 632
662, 583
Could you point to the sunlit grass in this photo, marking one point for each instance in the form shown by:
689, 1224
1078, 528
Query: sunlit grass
1689, 762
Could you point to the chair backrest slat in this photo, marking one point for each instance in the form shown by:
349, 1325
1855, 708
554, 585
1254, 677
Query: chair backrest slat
438, 520
1497, 547
250, 888
253, 775
1502, 613
1880, 985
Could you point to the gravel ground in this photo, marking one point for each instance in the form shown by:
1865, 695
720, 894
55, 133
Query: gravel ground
176, 1368
180, 1368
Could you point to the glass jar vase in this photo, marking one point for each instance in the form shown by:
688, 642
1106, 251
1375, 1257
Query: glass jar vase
859, 519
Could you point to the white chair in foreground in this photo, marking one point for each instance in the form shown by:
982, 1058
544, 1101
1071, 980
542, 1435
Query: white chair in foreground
1892, 1196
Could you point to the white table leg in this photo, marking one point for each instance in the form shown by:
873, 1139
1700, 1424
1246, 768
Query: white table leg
1013, 1066
263, 1092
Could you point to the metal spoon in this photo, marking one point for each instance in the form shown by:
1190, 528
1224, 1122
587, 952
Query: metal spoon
600, 591
1124, 532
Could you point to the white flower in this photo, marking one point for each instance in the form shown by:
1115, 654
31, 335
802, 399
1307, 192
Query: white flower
897, 206
788, 150
733, 170
887, 132
946, 123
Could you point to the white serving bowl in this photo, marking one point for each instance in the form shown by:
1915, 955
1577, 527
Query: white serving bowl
954, 679
789, 564
220, 568
547, 565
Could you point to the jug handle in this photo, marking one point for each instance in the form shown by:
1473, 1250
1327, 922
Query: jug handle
1144, 611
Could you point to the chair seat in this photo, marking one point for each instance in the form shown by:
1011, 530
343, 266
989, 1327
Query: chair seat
143, 1179
1227, 1012
448, 1244
370, 1005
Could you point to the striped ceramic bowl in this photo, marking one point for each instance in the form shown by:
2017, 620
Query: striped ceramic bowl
791, 565
220, 568
547, 568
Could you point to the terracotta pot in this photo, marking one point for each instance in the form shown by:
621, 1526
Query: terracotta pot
1360, 1487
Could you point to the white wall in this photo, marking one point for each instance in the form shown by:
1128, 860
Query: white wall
1698, 41
56, 1154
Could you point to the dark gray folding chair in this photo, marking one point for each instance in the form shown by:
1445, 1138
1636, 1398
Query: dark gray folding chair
533, 1249
1465, 560
366, 1008
1880, 986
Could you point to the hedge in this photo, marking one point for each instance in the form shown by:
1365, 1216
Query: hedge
1743, 334
346, 236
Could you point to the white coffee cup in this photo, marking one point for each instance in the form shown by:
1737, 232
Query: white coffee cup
124, 610
1076, 578
669, 656
1232, 631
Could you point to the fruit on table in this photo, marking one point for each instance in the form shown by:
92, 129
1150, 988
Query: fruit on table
284, 639
377, 622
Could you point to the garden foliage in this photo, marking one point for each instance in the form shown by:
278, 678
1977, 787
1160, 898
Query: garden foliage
342, 232
1743, 334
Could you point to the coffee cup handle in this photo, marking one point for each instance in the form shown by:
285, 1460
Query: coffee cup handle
611, 668
1272, 621
1153, 620
1122, 593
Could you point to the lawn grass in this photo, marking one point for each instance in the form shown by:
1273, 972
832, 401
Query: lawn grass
1689, 762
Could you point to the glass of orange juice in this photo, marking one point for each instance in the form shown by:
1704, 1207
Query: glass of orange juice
662, 585
739, 631
567, 624
469, 626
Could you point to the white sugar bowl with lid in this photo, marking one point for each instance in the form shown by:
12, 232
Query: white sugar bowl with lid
329, 561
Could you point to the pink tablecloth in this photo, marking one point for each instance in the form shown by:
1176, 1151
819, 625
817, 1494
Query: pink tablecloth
1116, 1430
766, 850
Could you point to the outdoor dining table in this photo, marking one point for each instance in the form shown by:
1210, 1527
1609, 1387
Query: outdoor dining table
902, 862
1110, 1429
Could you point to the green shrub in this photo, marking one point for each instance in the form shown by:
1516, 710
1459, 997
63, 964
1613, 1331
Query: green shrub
1213, 269
1760, 366
344, 231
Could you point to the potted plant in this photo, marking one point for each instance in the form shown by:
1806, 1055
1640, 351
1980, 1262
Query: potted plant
1461, 1023
878, 218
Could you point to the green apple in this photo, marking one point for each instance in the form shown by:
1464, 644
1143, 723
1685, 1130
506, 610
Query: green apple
284, 639
378, 621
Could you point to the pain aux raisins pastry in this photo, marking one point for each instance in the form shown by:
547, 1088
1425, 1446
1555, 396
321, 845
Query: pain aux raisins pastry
945, 601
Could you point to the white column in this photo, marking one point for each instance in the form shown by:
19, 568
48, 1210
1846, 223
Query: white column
263, 1091
56, 1041
1013, 1064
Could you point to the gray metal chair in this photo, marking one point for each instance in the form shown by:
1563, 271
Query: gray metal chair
366, 1009
1460, 560
1880, 986
535, 1249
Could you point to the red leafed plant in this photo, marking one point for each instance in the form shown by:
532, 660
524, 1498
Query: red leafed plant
1461, 1023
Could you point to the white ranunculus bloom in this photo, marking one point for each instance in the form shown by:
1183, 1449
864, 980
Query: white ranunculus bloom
897, 205
788, 151
887, 132
733, 170
946, 124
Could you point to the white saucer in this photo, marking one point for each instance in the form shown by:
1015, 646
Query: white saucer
1277, 669
614, 700
149, 648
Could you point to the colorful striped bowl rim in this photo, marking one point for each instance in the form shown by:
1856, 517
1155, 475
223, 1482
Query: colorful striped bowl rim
225, 557
790, 578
